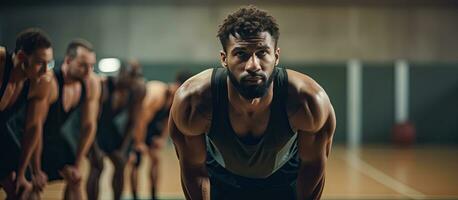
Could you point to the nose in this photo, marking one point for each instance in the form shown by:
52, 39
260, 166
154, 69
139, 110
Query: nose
252, 64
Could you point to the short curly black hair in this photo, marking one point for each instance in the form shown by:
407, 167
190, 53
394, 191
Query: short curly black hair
247, 21
32, 39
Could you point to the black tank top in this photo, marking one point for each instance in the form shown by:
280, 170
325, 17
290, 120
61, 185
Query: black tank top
108, 115
277, 145
112, 123
107, 105
57, 115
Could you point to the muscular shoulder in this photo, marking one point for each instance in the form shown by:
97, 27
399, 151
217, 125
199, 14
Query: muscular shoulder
155, 90
192, 104
43, 87
308, 105
93, 87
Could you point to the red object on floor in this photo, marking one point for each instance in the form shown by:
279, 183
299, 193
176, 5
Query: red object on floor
404, 134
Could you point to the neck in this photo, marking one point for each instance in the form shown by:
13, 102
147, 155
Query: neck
249, 106
17, 73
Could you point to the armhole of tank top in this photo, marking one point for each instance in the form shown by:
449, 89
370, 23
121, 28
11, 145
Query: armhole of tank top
102, 91
83, 93
284, 98
214, 90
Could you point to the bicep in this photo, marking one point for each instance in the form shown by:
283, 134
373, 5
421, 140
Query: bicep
136, 107
317, 145
37, 111
90, 111
191, 149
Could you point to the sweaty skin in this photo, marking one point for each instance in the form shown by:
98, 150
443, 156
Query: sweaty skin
154, 100
157, 97
309, 110
129, 96
37, 97
71, 96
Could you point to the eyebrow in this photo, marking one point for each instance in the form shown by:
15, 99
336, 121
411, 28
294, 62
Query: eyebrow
263, 47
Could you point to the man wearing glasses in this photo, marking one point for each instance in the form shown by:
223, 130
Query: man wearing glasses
24, 77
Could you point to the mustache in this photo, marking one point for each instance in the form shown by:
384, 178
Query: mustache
253, 75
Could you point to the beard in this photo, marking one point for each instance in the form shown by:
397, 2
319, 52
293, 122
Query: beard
252, 91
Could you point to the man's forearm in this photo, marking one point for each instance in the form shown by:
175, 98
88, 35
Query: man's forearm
28, 144
87, 138
196, 184
310, 180
36, 157
128, 136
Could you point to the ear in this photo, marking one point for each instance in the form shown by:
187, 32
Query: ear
21, 56
277, 56
223, 58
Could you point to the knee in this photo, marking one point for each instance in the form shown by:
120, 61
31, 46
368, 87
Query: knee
119, 166
74, 185
154, 159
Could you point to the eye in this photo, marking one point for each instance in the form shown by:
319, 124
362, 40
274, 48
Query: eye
261, 53
239, 53
242, 55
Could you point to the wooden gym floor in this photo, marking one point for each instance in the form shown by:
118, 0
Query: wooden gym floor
373, 172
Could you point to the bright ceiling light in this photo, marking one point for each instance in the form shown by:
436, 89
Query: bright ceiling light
108, 65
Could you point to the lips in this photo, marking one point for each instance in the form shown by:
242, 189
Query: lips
253, 79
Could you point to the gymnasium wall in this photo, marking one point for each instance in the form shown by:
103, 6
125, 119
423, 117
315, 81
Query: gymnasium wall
316, 40
170, 33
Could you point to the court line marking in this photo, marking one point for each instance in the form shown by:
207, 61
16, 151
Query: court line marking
356, 162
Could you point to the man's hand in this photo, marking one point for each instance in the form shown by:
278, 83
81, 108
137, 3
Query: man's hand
39, 180
71, 174
158, 142
23, 188
141, 147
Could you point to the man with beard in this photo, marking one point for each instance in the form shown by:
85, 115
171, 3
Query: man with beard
121, 109
251, 130
23, 93
73, 105
152, 133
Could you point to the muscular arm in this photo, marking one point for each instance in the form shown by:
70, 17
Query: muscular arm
314, 119
135, 114
314, 149
37, 110
192, 154
188, 121
88, 118
152, 103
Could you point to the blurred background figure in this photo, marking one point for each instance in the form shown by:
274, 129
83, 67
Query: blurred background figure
120, 115
152, 134
70, 124
390, 68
